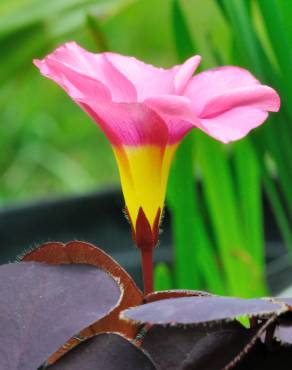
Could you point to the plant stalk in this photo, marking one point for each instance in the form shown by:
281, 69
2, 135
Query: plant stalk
147, 269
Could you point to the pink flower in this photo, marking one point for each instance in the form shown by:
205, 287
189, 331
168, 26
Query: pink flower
145, 112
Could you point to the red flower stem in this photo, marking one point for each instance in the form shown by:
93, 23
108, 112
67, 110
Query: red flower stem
147, 269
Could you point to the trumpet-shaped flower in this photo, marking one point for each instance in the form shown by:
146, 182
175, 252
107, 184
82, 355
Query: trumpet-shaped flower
146, 111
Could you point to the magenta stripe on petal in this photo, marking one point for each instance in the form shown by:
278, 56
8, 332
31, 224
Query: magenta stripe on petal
176, 112
128, 124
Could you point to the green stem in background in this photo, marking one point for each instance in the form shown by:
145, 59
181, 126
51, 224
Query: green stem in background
195, 261
275, 14
97, 33
181, 200
277, 206
238, 15
249, 189
220, 199
183, 41
162, 277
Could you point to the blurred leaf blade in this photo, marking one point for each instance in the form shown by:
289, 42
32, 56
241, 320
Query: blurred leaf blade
183, 40
162, 277
191, 239
250, 195
272, 139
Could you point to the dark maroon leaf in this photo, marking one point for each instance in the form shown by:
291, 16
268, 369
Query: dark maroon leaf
82, 252
208, 348
105, 352
262, 358
198, 310
42, 306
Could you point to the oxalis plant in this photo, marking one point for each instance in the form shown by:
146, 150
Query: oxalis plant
71, 306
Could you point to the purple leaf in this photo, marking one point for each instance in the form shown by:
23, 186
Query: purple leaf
107, 352
208, 348
283, 332
283, 329
286, 301
174, 293
199, 310
81, 252
42, 306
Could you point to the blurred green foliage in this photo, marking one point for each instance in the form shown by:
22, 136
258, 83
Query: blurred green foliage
49, 146
232, 177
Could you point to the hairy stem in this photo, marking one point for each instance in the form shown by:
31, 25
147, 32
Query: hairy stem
147, 269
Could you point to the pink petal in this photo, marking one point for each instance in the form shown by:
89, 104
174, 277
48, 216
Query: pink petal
233, 124
72, 58
147, 79
230, 102
77, 85
185, 72
211, 84
131, 124
151, 81
176, 112
257, 96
